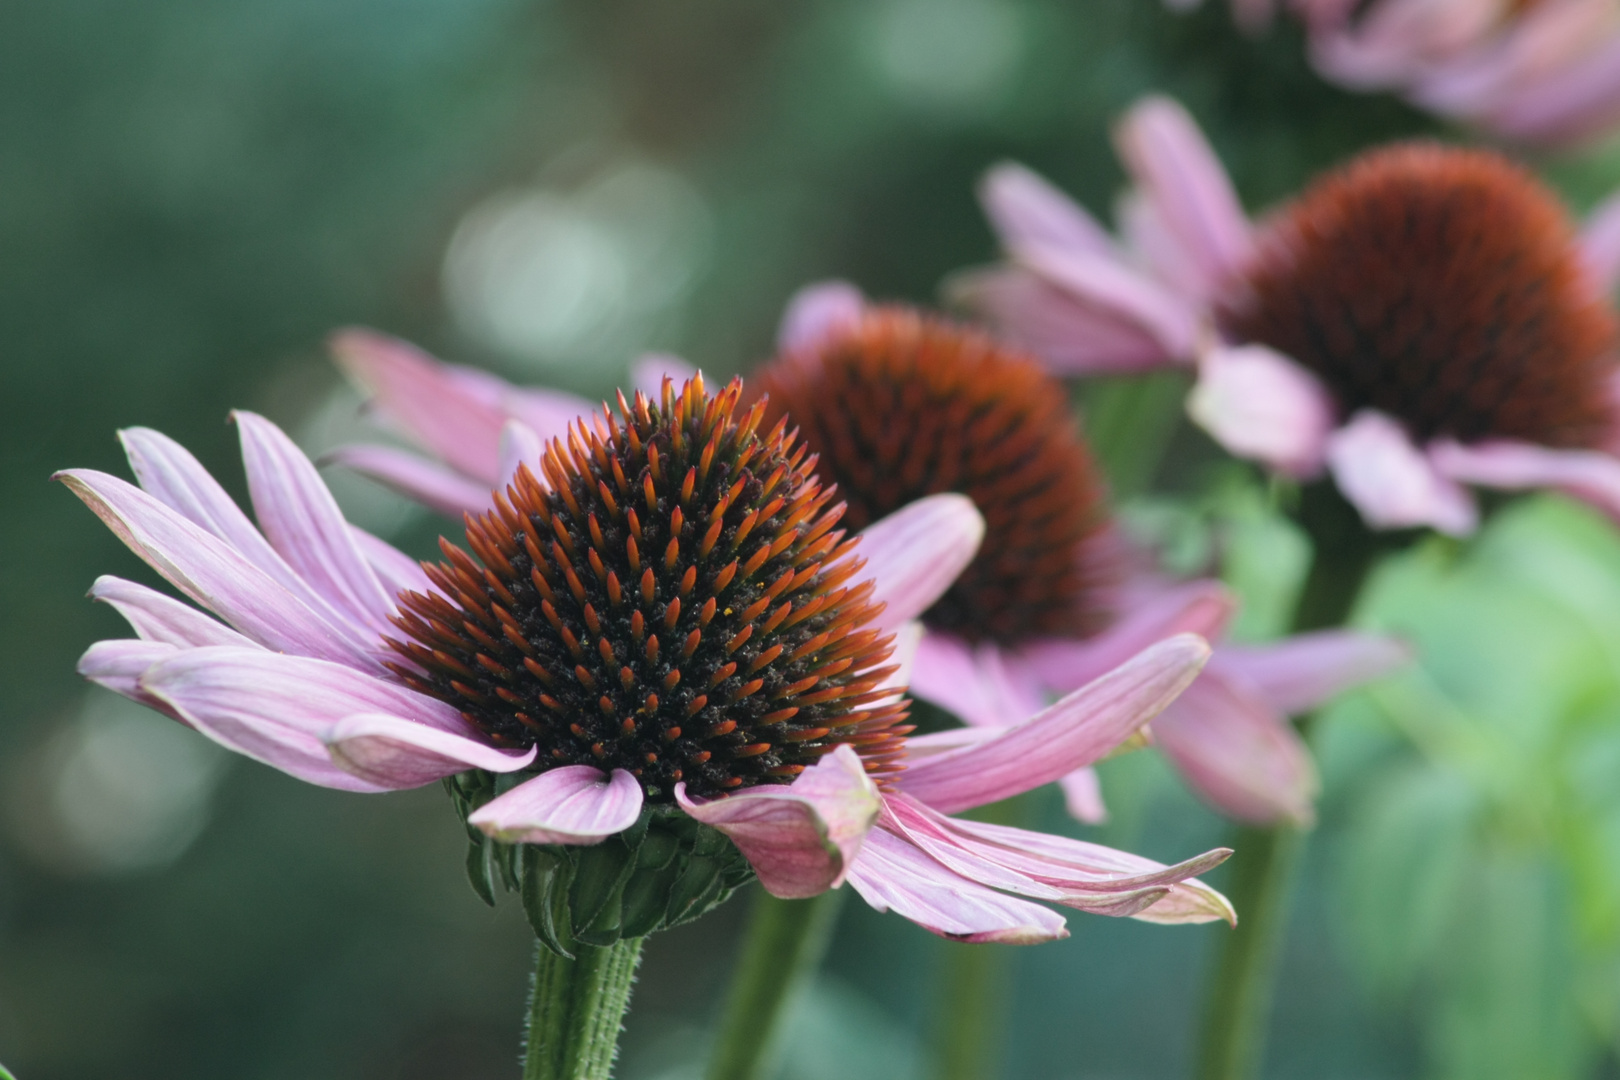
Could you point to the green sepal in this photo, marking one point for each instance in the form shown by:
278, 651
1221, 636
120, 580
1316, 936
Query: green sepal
546, 873
481, 870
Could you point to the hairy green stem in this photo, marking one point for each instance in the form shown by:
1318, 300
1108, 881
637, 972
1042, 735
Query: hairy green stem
1237, 1005
782, 948
576, 1008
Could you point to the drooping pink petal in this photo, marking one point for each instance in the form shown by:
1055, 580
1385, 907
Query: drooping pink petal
1024, 208
156, 617
973, 682
914, 554
299, 517
396, 570
1082, 796
1261, 405
649, 371
520, 445
416, 478
217, 576
1077, 731
1175, 168
1589, 475
1196, 607
399, 754
118, 665
1600, 245
800, 839
1391, 482
1110, 285
457, 420
572, 804
817, 310
893, 875
1238, 753
1305, 671
1070, 335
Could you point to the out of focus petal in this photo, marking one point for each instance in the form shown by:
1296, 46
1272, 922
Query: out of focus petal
1392, 483
914, 554
817, 310
1082, 796
1589, 475
1261, 405
973, 681
520, 445
571, 804
1600, 245
648, 372
1111, 286
1302, 672
415, 477
1024, 208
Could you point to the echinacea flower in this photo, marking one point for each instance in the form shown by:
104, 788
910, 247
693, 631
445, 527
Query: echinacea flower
662, 626
901, 406
1421, 319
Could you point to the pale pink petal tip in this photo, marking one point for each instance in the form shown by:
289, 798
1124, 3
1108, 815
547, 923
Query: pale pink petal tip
1392, 482
802, 838
648, 372
520, 445
1261, 405
1082, 796
817, 310
396, 753
1024, 208
1305, 671
1588, 475
914, 554
572, 804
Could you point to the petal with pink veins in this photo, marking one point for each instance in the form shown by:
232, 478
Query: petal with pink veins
119, 664
1589, 475
914, 554
1261, 405
218, 577
1024, 207
1305, 671
427, 482
572, 804
302, 521
1075, 732
893, 875
1238, 753
397, 754
457, 419
156, 617
801, 839
1392, 483
816, 311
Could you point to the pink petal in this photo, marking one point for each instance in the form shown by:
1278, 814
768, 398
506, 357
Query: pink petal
1238, 753
1082, 796
1588, 475
573, 804
973, 682
1176, 169
156, 617
303, 523
519, 446
800, 839
396, 570
416, 478
118, 665
817, 310
1261, 405
892, 875
1300, 673
1196, 607
1109, 285
914, 554
1072, 336
1391, 482
1600, 245
1024, 208
217, 576
650, 370
1077, 731
398, 754
457, 419
546, 412
1573, 103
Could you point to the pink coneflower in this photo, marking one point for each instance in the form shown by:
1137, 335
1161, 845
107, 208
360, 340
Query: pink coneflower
663, 620
899, 406
1422, 319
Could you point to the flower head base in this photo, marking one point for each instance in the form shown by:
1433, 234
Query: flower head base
672, 601
1442, 287
899, 406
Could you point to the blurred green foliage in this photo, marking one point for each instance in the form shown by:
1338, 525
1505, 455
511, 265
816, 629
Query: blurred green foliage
192, 194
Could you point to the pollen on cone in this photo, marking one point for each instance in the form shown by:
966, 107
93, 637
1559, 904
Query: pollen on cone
1443, 287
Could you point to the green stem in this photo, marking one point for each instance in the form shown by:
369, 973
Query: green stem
1238, 997
1129, 421
575, 1010
782, 948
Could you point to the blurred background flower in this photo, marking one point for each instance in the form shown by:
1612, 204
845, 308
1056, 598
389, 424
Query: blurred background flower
192, 195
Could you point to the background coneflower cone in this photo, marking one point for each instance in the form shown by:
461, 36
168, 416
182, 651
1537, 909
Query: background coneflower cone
1443, 287
899, 405
672, 603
